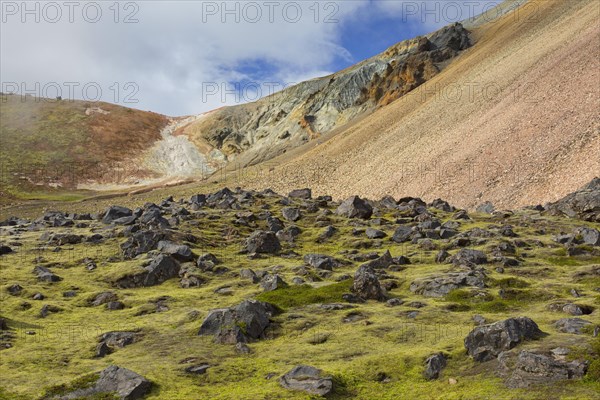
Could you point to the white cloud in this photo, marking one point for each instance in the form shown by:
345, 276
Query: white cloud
177, 47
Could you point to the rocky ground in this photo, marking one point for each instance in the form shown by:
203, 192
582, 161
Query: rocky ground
245, 295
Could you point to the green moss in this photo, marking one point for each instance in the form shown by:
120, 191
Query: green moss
296, 296
456, 307
564, 261
82, 382
243, 327
494, 306
4, 395
467, 296
510, 282
519, 295
487, 303
377, 357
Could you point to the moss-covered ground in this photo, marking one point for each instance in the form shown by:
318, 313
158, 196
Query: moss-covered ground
377, 356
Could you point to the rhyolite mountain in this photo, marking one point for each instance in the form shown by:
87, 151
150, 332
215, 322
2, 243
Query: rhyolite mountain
499, 108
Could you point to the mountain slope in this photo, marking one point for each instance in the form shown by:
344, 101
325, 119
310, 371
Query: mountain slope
515, 120
74, 145
275, 124
50, 146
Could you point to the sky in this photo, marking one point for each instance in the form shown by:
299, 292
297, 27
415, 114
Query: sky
189, 57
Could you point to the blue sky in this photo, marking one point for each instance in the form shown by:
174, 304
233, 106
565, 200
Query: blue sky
187, 57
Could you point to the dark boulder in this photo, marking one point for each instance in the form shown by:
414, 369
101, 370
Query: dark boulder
198, 199
141, 242
304, 194
469, 257
383, 262
179, 252
103, 298
434, 364
115, 305
461, 214
15, 289
485, 208
38, 296
5, 250
60, 239
152, 217
366, 284
355, 207
327, 233
442, 205
375, 233
45, 275
441, 285
288, 234
307, 379
198, 369
114, 213
320, 261
121, 382
571, 325
207, 262
291, 214
272, 282
110, 341
583, 203
263, 242
441, 256
248, 274
533, 368
589, 236
160, 269
245, 322
487, 341
402, 234
274, 224
47, 309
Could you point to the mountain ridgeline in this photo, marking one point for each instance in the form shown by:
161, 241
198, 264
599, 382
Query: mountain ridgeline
258, 131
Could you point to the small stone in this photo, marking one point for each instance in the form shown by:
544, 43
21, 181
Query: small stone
242, 348
197, 369
394, 302
115, 305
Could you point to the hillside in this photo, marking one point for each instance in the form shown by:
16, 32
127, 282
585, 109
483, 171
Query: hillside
250, 133
500, 111
514, 120
50, 148
62, 148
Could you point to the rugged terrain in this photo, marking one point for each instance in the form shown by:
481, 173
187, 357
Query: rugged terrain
514, 120
147, 287
258, 131
501, 108
245, 295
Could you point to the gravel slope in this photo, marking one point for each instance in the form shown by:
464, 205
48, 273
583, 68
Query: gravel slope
514, 120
